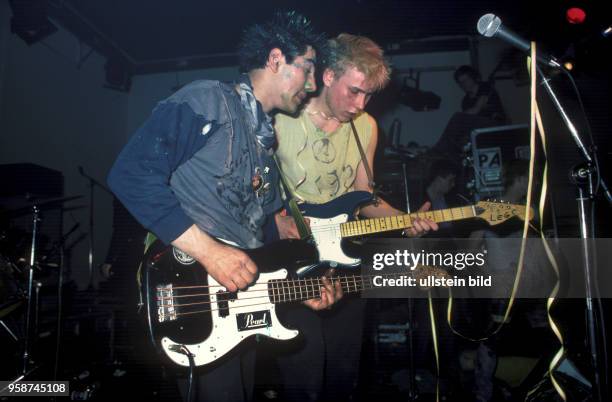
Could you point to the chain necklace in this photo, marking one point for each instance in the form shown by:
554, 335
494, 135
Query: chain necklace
322, 114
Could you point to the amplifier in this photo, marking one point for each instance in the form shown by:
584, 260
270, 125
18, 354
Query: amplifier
491, 148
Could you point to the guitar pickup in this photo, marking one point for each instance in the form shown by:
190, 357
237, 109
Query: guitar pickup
223, 299
165, 303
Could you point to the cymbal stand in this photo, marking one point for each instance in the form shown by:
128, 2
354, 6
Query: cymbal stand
92, 183
7, 329
27, 343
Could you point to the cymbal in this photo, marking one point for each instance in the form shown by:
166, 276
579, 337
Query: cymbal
40, 203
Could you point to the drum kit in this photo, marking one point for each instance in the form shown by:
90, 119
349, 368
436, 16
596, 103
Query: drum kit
22, 261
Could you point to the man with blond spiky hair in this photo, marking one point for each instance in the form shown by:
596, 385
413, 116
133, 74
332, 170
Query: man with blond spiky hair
320, 160
317, 151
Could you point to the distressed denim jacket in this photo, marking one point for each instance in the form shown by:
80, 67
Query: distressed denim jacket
196, 160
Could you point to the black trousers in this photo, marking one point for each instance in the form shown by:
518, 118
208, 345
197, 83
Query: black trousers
231, 380
323, 363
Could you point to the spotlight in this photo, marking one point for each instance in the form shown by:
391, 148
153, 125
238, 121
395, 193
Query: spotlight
575, 15
569, 65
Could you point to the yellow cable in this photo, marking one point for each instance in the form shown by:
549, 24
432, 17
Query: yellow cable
526, 224
551, 298
434, 335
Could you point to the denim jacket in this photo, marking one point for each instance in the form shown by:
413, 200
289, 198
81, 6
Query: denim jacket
196, 160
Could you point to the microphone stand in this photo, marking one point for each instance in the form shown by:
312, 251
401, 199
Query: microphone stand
92, 183
583, 176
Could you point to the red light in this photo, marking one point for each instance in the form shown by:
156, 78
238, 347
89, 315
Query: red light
575, 15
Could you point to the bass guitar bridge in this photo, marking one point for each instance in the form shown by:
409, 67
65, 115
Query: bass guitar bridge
165, 303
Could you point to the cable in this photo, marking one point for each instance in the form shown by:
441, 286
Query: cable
579, 97
190, 394
179, 348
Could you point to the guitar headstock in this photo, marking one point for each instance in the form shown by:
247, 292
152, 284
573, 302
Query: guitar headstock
496, 212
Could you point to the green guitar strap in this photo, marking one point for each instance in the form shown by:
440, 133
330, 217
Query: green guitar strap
294, 210
148, 240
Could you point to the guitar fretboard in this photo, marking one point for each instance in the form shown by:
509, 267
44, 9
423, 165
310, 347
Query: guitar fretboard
290, 290
388, 223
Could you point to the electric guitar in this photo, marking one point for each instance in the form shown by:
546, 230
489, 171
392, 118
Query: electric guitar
190, 316
330, 224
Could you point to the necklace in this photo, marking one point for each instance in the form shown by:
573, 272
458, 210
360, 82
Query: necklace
322, 114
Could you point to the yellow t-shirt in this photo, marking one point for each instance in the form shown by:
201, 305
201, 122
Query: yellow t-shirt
319, 166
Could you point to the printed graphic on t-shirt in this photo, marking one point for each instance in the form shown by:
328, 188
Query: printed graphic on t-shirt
323, 150
331, 182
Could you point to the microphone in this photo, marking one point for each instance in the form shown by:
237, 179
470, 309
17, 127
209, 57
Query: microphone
490, 25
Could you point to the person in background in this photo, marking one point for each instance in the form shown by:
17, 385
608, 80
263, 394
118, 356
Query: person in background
480, 99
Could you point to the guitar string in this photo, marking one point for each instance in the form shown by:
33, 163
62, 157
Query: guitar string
348, 281
274, 302
254, 304
293, 296
401, 226
301, 289
290, 283
255, 283
205, 294
426, 214
282, 301
384, 227
272, 281
221, 286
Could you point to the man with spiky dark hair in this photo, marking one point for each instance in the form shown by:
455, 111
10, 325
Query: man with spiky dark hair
290, 32
200, 169
293, 35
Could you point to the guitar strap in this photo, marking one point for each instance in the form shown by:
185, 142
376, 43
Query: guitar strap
364, 160
294, 210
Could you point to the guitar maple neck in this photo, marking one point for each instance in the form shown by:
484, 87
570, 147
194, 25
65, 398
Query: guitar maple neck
388, 223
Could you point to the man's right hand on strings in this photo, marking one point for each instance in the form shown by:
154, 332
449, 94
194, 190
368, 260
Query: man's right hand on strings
228, 265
